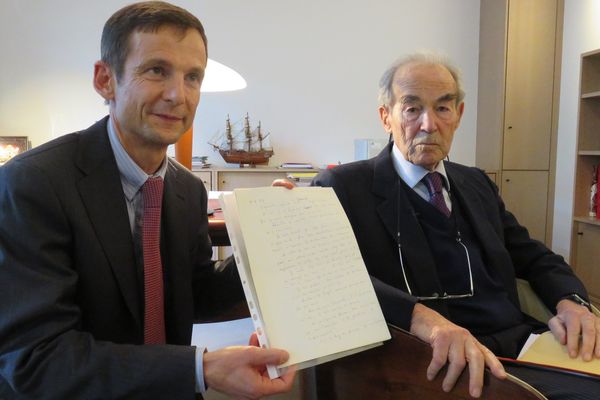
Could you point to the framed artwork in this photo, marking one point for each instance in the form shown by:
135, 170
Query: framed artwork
10, 146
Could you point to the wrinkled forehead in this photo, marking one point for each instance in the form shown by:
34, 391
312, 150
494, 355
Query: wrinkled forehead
423, 81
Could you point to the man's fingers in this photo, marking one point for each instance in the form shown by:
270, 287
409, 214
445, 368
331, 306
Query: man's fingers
588, 333
283, 183
492, 362
261, 356
456, 365
474, 353
573, 335
438, 359
288, 377
558, 330
253, 340
283, 383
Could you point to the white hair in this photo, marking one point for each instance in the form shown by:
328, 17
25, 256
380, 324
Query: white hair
386, 94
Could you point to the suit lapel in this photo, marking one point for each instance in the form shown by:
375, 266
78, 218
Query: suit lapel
107, 212
472, 208
475, 213
176, 254
395, 209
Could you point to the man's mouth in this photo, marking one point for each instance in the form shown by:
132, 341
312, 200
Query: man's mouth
168, 117
425, 144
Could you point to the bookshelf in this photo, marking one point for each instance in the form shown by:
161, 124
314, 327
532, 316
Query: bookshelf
586, 230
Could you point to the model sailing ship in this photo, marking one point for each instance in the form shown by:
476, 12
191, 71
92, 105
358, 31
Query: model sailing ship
243, 146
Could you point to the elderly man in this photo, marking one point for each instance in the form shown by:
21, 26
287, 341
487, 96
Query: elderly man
105, 259
438, 242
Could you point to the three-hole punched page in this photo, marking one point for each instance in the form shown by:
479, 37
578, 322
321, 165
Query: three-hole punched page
306, 284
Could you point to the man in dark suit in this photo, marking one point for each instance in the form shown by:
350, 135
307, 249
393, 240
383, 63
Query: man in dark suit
105, 259
442, 250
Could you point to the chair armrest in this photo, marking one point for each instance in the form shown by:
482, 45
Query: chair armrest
531, 303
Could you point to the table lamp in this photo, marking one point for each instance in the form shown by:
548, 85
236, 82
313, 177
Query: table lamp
218, 78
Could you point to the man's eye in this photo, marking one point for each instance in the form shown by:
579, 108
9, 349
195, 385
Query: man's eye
156, 70
194, 77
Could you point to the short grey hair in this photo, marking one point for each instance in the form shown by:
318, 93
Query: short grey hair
386, 93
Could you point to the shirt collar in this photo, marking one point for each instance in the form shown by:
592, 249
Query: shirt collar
412, 174
132, 176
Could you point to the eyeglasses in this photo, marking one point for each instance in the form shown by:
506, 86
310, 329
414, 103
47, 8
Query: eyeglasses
435, 296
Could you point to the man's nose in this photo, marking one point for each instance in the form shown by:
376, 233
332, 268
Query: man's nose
428, 121
175, 90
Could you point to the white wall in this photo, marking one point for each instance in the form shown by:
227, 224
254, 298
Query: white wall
581, 34
312, 67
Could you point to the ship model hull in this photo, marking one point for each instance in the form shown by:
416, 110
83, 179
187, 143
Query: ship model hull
246, 157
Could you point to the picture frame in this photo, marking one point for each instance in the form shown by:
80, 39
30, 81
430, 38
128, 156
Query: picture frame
10, 146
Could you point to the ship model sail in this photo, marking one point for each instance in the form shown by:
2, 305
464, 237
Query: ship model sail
243, 146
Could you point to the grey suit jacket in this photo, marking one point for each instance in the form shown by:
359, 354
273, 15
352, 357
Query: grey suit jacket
71, 304
368, 191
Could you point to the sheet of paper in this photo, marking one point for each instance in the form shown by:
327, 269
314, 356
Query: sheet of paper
216, 335
530, 340
312, 285
547, 350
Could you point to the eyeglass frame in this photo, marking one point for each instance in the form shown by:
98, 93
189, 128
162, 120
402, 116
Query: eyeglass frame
445, 296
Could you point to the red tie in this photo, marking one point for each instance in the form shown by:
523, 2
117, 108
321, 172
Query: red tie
154, 313
433, 181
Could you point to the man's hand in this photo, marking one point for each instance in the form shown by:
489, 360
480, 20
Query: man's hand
284, 183
240, 371
572, 323
456, 346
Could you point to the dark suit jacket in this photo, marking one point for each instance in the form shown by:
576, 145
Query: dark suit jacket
71, 304
368, 191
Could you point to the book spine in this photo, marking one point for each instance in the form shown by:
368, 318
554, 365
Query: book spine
229, 208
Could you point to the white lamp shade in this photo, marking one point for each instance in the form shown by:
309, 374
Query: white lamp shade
221, 78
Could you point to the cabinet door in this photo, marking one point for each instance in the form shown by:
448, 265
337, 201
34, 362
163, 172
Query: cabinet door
587, 256
525, 194
206, 178
493, 176
529, 84
229, 180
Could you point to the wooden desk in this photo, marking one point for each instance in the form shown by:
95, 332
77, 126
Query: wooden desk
397, 370
216, 225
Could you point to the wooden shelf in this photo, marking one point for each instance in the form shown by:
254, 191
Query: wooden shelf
591, 95
585, 239
588, 220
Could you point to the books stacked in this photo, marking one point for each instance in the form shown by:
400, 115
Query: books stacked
298, 165
200, 162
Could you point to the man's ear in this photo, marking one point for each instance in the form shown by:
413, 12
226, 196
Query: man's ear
104, 80
384, 115
461, 110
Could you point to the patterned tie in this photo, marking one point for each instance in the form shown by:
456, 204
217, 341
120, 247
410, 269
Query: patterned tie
154, 313
433, 181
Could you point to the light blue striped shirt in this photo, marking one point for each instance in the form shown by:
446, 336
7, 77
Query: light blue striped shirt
132, 180
412, 175
132, 177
